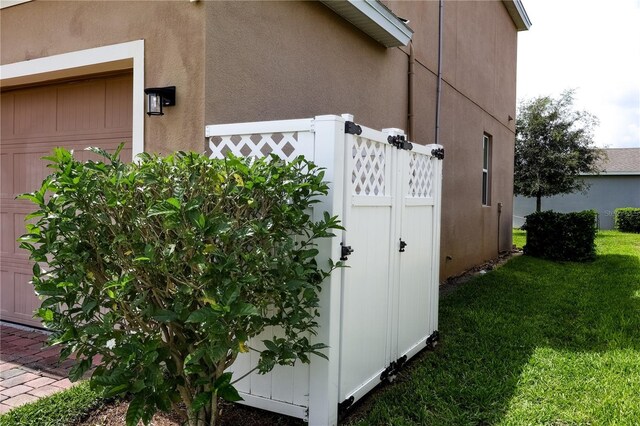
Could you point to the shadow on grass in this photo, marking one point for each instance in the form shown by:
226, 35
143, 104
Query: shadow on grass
491, 327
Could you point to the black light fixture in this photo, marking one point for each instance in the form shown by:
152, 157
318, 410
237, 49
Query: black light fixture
158, 97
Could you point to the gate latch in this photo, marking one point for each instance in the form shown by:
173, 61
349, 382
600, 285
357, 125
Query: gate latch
345, 251
400, 142
403, 244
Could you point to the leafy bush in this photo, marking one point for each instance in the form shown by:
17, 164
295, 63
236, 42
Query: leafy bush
167, 267
561, 236
627, 219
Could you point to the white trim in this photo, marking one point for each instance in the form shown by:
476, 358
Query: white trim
518, 14
78, 63
285, 408
8, 3
374, 19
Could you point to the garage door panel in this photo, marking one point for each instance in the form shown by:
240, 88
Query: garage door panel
35, 112
117, 117
95, 112
29, 171
81, 107
6, 245
6, 118
6, 173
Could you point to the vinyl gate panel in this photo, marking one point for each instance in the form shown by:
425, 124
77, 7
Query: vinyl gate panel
366, 312
415, 288
94, 112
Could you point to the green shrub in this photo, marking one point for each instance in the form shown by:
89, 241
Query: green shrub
627, 219
168, 266
561, 236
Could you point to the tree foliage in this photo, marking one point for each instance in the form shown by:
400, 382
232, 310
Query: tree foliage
165, 269
554, 145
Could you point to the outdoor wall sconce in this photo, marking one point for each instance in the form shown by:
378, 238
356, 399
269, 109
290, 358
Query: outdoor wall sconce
158, 97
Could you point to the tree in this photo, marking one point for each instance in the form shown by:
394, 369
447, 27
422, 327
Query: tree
167, 267
554, 145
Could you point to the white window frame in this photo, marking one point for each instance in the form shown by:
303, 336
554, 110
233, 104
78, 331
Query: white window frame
83, 62
486, 169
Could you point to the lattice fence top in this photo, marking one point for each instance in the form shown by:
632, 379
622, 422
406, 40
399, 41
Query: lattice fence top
421, 176
369, 167
255, 145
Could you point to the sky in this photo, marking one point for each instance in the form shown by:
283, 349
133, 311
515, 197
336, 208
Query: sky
592, 46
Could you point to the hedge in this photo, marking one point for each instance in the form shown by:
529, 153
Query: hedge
561, 236
627, 219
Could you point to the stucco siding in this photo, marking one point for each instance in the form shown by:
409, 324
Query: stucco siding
605, 194
280, 60
174, 44
249, 61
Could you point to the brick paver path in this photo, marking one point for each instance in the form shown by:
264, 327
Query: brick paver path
28, 368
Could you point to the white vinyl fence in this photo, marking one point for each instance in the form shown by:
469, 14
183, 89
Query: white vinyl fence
383, 308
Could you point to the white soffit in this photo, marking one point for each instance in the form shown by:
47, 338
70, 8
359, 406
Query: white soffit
374, 19
9, 3
518, 14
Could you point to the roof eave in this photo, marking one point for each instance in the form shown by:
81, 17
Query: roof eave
518, 14
374, 19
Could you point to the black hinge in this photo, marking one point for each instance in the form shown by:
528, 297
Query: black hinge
345, 251
403, 244
438, 153
432, 340
352, 128
400, 142
390, 372
344, 405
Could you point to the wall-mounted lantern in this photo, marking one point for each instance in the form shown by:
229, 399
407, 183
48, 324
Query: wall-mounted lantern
158, 97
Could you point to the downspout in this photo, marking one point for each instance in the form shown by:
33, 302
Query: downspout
439, 87
410, 77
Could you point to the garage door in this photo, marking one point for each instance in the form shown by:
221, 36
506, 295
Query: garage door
90, 112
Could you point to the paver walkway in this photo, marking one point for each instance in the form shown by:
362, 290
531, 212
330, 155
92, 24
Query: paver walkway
28, 368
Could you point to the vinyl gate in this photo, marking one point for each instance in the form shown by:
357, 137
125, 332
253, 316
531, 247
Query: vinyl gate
383, 308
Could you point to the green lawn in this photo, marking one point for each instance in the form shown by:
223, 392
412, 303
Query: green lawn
58, 409
532, 343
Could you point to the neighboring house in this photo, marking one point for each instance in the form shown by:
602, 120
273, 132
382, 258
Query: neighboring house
73, 73
618, 185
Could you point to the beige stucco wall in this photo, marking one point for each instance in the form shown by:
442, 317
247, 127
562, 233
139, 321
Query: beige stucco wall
173, 32
280, 60
247, 61
479, 96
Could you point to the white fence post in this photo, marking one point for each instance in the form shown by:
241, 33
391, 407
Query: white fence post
324, 375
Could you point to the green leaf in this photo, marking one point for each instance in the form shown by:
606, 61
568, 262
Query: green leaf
201, 400
45, 314
174, 202
229, 393
135, 411
202, 315
271, 346
164, 315
89, 305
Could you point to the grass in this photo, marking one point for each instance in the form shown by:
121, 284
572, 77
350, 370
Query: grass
533, 343
58, 409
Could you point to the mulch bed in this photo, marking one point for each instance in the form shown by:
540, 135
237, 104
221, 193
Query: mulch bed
232, 414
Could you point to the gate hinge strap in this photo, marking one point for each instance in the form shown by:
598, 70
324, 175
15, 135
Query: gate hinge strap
438, 153
400, 142
352, 128
344, 405
432, 340
390, 372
